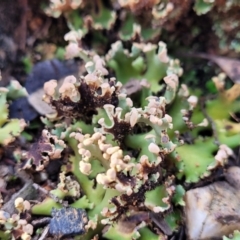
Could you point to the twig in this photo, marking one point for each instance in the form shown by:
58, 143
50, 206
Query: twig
44, 233
55, 198
41, 222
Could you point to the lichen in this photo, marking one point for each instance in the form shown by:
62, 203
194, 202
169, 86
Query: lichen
126, 156
15, 226
113, 181
10, 128
125, 159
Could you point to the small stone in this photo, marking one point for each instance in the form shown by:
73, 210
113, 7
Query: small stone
67, 222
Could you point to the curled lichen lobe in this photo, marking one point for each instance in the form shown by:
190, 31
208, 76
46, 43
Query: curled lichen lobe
80, 99
48, 147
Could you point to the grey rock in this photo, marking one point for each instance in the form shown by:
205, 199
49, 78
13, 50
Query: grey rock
68, 222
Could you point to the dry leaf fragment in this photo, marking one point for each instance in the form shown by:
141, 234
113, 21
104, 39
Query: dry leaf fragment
230, 66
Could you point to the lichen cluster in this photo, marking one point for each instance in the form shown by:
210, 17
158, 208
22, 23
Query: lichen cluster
145, 21
16, 226
127, 132
126, 158
121, 159
224, 17
105, 128
10, 128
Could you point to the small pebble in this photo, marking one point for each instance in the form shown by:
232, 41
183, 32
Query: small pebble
68, 222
